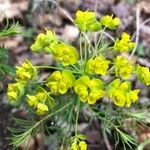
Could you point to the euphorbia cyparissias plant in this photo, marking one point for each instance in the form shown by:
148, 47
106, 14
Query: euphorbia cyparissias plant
81, 71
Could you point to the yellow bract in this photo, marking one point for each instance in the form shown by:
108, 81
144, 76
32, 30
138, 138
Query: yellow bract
123, 67
45, 42
143, 74
119, 98
89, 90
99, 65
132, 97
79, 146
121, 93
41, 109
60, 82
82, 145
87, 21
109, 22
15, 91
124, 44
26, 72
74, 146
40, 101
65, 54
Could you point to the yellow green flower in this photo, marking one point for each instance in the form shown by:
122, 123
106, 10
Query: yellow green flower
82, 145
86, 20
132, 97
40, 101
32, 100
26, 72
65, 54
89, 90
123, 67
119, 98
143, 74
15, 91
110, 22
74, 146
45, 42
99, 65
41, 109
124, 44
60, 82
121, 93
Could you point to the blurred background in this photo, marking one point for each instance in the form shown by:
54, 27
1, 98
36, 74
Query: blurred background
33, 16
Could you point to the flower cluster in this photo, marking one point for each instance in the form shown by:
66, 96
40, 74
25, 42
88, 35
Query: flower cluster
87, 85
121, 93
65, 54
83, 73
41, 101
60, 82
87, 21
24, 73
124, 44
89, 90
15, 91
99, 65
110, 22
123, 67
79, 146
45, 42
143, 74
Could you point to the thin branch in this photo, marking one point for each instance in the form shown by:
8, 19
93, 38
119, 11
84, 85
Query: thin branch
106, 140
141, 25
137, 31
109, 36
95, 10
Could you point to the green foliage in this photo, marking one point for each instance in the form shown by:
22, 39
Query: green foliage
140, 50
9, 30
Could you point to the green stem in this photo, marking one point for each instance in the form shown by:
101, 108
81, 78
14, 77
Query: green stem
56, 68
99, 40
104, 49
77, 116
81, 47
74, 67
37, 82
50, 115
85, 50
48, 67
